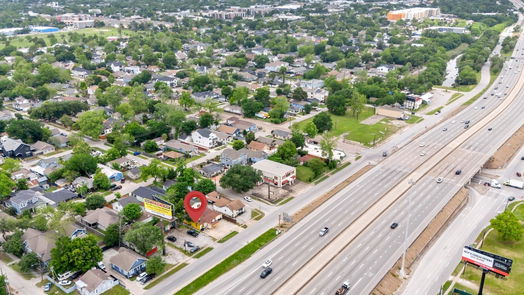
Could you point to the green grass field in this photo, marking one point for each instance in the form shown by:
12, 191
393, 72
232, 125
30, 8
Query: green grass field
356, 131
25, 41
514, 284
305, 174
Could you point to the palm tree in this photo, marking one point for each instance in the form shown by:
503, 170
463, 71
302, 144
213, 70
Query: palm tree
282, 72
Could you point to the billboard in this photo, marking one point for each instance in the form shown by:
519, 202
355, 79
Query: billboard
494, 263
162, 209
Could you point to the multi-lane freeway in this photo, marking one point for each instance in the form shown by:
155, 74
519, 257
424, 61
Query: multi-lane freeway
408, 178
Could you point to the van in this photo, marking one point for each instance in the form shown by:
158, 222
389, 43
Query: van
64, 275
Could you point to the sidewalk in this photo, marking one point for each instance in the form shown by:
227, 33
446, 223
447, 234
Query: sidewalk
19, 283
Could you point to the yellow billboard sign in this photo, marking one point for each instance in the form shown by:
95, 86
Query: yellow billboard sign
158, 208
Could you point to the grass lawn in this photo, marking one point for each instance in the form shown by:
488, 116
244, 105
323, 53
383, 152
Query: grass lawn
232, 234
454, 97
355, 130
5, 258
492, 79
257, 214
434, 111
285, 201
203, 252
229, 263
514, 284
23, 41
117, 290
414, 119
305, 174
165, 275
26, 275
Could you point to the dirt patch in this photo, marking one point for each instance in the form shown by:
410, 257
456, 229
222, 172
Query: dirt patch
392, 281
372, 120
506, 151
320, 200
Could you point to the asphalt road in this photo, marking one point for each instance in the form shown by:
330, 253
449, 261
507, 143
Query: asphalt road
358, 262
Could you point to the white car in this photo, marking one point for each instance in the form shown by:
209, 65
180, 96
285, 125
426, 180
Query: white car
248, 198
141, 276
267, 263
421, 144
439, 180
65, 282
422, 154
101, 265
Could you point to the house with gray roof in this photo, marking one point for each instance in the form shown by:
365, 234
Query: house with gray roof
231, 157
59, 196
212, 169
204, 137
26, 200
150, 192
15, 148
39, 243
95, 282
122, 202
128, 262
181, 147
100, 218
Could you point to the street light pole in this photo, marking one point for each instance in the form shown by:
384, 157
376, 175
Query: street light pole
403, 265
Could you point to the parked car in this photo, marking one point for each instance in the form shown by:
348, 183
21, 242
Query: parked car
65, 282
101, 265
171, 238
393, 225
141, 276
439, 180
458, 172
248, 198
194, 249
266, 272
189, 244
136, 153
47, 287
323, 231
115, 187
147, 279
123, 180
192, 233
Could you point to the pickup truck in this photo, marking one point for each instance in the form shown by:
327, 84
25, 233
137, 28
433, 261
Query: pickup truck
343, 289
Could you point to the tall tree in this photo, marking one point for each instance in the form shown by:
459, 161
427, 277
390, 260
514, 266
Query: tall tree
80, 254
508, 226
241, 178
91, 123
144, 237
327, 145
132, 212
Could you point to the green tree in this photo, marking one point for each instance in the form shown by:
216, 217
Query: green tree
132, 212
14, 244
150, 146
154, 169
336, 104
29, 262
357, 104
169, 60
260, 61
84, 164
241, 178
251, 107
3, 285
144, 237
205, 186
323, 122
287, 150
186, 101
95, 201
6, 186
327, 145
112, 235
206, 120
80, 254
299, 94
239, 95
249, 137
318, 166
467, 76
29, 131
311, 129
262, 95
10, 165
237, 144
101, 181
155, 265
91, 123
298, 139
508, 226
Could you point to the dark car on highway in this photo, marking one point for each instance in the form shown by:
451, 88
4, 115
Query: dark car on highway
266, 272
393, 225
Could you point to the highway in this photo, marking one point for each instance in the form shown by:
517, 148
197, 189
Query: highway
368, 257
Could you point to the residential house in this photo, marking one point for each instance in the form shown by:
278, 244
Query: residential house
204, 137
100, 218
258, 146
133, 173
212, 169
81, 181
73, 230
62, 195
223, 138
281, 134
112, 174
229, 130
234, 109
209, 219
181, 147
122, 202
39, 243
150, 192
26, 200
59, 140
128, 263
42, 148
172, 155
201, 97
124, 163
95, 282
275, 66
313, 83
14, 148
412, 102
241, 125
224, 205
276, 173
231, 157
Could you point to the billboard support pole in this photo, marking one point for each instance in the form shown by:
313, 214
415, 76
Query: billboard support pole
484, 271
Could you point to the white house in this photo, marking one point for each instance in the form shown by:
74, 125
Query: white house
276, 173
225, 205
95, 282
204, 137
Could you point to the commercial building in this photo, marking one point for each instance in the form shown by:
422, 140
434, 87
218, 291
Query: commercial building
276, 173
412, 13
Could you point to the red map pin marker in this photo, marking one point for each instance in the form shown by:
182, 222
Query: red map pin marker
195, 203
